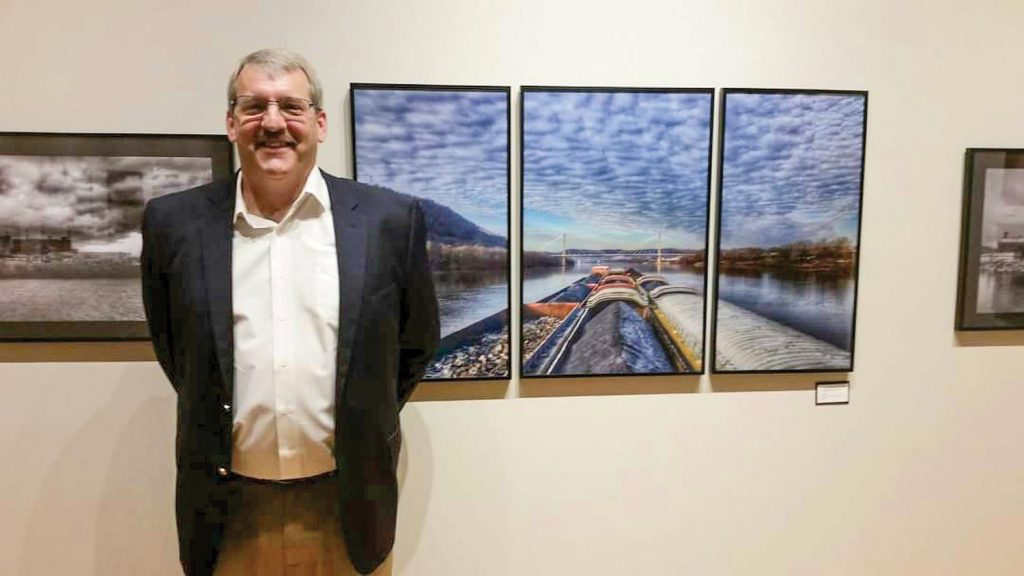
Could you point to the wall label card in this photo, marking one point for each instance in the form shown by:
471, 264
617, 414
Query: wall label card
832, 393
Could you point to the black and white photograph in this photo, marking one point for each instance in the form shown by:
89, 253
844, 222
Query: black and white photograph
992, 256
70, 224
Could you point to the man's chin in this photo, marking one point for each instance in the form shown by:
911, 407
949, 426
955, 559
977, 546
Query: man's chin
276, 166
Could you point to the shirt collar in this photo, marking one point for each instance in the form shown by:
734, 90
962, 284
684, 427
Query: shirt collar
315, 186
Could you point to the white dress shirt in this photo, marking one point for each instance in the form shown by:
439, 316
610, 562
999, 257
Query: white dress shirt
285, 306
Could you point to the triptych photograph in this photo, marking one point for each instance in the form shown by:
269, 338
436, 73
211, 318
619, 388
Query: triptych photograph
615, 219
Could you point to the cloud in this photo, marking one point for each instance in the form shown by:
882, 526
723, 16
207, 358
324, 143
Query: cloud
448, 146
791, 169
1004, 205
620, 167
98, 199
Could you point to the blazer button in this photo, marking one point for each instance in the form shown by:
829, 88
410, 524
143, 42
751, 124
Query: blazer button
222, 472
227, 408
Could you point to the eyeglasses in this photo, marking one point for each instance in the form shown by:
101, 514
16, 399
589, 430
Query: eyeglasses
256, 106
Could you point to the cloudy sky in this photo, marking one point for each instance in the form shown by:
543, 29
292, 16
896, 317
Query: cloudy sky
1004, 205
613, 169
792, 168
99, 199
448, 146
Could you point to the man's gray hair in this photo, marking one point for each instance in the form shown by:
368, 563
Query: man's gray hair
275, 61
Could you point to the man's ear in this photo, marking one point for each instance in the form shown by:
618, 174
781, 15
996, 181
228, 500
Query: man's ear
229, 122
321, 125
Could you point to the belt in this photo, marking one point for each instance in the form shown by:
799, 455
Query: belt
286, 482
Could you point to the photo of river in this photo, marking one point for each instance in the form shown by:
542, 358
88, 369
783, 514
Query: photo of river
1001, 258
448, 147
614, 212
789, 230
70, 234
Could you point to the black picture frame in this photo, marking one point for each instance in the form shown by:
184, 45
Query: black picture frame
458, 285
76, 175
990, 288
547, 353
790, 333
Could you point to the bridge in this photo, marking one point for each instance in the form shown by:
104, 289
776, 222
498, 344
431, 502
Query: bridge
650, 248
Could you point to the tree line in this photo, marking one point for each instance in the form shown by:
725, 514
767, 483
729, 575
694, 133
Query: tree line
832, 255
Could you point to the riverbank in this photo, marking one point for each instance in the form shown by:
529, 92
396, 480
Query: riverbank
836, 256
545, 260
78, 266
447, 257
1002, 266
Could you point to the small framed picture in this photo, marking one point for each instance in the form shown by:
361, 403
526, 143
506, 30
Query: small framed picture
991, 289
70, 226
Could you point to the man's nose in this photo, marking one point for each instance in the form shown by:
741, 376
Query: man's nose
272, 118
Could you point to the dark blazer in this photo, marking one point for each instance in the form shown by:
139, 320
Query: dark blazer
387, 333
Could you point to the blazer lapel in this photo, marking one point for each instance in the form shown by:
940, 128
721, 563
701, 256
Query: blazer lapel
216, 233
350, 245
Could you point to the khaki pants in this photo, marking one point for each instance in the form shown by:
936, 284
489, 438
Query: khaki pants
287, 530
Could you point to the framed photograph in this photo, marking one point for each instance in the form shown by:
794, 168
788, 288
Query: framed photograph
615, 192
791, 172
991, 289
70, 217
449, 147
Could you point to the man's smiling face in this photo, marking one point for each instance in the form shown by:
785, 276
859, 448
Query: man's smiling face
274, 145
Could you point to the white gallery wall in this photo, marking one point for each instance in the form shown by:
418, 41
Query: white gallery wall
922, 473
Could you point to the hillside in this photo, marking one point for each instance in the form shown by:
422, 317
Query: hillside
446, 226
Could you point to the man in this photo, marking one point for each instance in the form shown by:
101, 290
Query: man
293, 313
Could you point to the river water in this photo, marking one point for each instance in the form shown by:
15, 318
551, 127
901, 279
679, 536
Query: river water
1000, 292
70, 299
817, 304
466, 297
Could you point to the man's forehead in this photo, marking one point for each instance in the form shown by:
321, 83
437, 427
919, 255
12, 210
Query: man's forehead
271, 73
256, 78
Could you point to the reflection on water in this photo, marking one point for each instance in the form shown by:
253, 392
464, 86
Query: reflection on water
465, 280
466, 297
817, 304
1000, 292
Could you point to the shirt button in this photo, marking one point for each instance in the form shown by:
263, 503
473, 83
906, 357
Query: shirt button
222, 472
